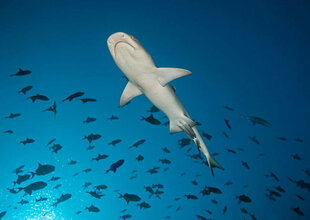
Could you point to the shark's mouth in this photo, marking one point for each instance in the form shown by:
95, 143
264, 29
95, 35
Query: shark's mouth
119, 43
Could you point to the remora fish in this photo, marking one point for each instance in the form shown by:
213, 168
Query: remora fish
145, 78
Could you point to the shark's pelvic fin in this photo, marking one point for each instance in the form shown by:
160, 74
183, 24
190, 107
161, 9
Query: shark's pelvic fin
129, 93
165, 75
182, 124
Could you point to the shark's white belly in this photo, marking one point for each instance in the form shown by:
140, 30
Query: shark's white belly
165, 99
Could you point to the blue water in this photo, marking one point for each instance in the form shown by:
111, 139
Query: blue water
250, 55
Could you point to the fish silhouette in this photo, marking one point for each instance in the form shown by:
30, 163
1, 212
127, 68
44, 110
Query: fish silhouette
73, 96
21, 72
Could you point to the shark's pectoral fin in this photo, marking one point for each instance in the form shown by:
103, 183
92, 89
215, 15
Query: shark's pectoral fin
165, 75
129, 93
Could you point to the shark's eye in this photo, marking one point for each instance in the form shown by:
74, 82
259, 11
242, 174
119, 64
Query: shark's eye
132, 37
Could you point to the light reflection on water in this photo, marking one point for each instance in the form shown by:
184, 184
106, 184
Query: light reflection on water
39, 210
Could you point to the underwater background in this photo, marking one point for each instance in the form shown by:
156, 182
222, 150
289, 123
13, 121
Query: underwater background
248, 58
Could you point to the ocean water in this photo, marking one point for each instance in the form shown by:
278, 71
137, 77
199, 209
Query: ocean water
252, 56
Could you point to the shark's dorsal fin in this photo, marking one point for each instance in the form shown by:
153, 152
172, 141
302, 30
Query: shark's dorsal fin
165, 75
129, 93
20, 70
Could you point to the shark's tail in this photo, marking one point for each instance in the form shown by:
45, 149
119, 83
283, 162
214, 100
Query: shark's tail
188, 126
211, 162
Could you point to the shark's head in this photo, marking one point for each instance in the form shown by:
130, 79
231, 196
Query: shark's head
127, 51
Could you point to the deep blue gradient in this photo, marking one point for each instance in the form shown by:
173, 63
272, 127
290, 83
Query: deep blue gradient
250, 55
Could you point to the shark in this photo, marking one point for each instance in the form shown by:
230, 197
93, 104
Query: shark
144, 77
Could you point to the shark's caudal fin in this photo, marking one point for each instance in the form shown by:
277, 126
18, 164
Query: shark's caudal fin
211, 162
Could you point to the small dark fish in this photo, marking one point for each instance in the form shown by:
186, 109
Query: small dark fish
225, 134
78, 212
214, 201
89, 120
54, 179
200, 217
87, 170
57, 186
100, 157
307, 171
138, 143
243, 198
44, 169
52, 108
13, 115
130, 197
273, 176
302, 184
298, 211
245, 164
228, 183
90, 147
115, 166
23, 202
113, 118
87, 184
22, 178
153, 109
150, 119
184, 142
279, 188
8, 132
127, 216
227, 124
300, 197
85, 100
139, 158
21, 72
144, 205
19, 169
228, 108
257, 120
189, 196
2, 214
224, 209
206, 135
282, 138
33, 187
153, 170
296, 157
25, 90
208, 211
95, 194
27, 141
194, 182
92, 137
298, 140
159, 186
38, 97
244, 211
41, 199
63, 198
165, 161
254, 139
115, 142
231, 151
92, 208
166, 150
73, 96
55, 148
72, 162
100, 187
51, 141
